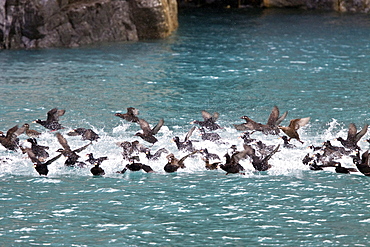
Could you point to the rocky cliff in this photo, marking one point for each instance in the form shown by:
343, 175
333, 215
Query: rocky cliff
337, 5
71, 23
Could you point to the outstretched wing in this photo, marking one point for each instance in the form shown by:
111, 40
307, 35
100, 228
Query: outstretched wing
31, 155
157, 127
274, 115
299, 122
82, 148
183, 158
190, 132
63, 142
215, 116
133, 111
11, 132
360, 134
206, 115
52, 159
272, 153
54, 114
281, 118
352, 131
144, 126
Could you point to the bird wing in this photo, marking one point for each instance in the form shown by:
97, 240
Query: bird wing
215, 116
281, 118
52, 115
133, 111
31, 155
81, 148
240, 155
250, 151
63, 142
11, 132
52, 159
20, 130
206, 115
272, 153
360, 134
274, 115
183, 158
144, 126
352, 131
157, 127
190, 132
299, 122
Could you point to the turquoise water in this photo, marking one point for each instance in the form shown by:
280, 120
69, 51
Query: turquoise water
235, 62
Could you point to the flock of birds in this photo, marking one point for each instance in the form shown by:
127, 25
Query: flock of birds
258, 153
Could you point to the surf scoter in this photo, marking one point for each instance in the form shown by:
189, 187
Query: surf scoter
174, 164
271, 127
52, 120
148, 133
30, 132
260, 163
353, 137
294, 125
209, 121
72, 156
40, 167
187, 144
97, 170
86, 134
10, 141
130, 115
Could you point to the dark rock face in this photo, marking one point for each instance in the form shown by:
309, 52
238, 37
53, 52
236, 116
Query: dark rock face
71, 23
362, 6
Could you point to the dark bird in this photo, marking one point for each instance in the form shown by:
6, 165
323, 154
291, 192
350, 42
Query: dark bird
210, 136
38, 150
86, 134
263, 148
232, 162
340, 169
260, 163
41, 167
187, 144
249, 124
207, 155
210, 166
134, 166
72, 156
130, 115
271, 127
97, 170
156, 155
294, 125
209, 121
333, 151
363, 164
247, 137
148, 133
93, 160
130, 148
286, 143
30, 132
314, 148
174, 164
10, 140
52, 120
353, 136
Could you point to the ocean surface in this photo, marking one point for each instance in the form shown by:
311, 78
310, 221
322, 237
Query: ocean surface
234, 62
